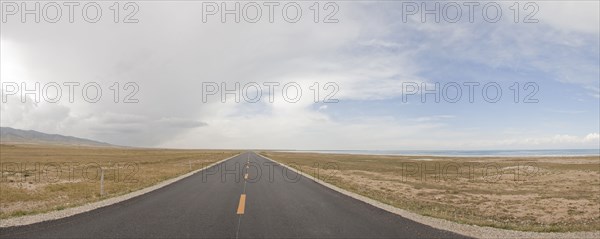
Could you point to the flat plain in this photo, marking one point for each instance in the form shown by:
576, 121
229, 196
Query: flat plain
543, 194
41, 178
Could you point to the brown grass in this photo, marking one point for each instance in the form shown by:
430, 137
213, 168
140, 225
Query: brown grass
555, 194
42, 178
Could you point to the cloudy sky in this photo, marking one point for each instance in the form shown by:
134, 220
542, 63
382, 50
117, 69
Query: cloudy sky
373, 52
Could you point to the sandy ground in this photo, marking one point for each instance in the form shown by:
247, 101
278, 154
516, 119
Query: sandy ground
42, 178
555, 194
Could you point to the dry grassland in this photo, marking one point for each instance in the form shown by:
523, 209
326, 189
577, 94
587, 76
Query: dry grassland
41, 178
544, 194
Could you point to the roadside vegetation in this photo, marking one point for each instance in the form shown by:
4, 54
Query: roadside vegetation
41, 178
542, 194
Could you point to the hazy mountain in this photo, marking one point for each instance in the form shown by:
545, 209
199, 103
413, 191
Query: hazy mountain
11, 135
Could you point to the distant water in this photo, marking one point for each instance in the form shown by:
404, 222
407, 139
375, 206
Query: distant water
467, 153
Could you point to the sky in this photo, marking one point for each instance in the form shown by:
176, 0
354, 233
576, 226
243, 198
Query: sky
363, 60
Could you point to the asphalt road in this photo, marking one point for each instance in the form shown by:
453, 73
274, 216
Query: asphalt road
224, 202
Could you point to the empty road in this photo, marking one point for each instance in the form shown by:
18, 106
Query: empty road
235, 199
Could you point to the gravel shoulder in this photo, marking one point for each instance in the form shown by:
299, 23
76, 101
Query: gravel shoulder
467, 230
31, 219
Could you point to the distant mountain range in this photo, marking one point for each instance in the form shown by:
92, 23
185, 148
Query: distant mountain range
11, 135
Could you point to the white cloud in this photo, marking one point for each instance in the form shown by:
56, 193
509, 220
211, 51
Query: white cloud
593, 137
368, 54
571, 16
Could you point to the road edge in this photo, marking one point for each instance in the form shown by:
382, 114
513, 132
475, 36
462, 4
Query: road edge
442, 224
54, 215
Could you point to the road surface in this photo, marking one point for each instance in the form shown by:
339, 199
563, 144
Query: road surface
235, 200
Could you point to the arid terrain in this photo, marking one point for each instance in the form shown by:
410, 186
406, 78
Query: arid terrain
40, 178
545, 194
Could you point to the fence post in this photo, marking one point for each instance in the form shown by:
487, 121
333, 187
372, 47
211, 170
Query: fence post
101, 181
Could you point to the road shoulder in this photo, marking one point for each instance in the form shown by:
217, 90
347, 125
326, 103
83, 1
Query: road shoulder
31, 219
463, 229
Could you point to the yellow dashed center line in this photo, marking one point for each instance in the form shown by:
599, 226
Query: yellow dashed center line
242, 204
